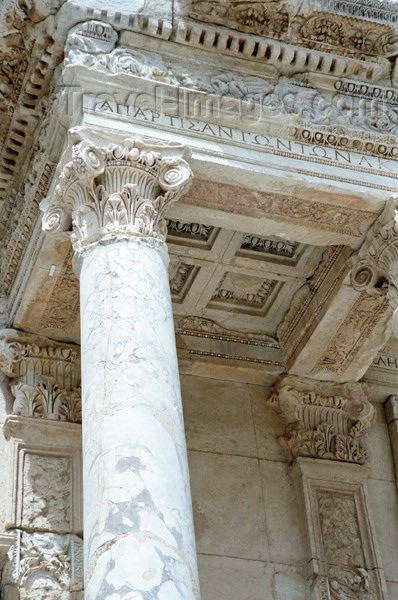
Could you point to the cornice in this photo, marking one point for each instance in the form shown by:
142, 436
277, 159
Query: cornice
33, 64
313, 27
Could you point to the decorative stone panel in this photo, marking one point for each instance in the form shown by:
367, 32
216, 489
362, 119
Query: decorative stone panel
44, 565
344, 559
44, 475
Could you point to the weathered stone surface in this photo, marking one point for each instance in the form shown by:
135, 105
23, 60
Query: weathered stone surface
279, 263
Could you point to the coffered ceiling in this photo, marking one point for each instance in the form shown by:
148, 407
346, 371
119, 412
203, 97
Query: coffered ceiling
240, 280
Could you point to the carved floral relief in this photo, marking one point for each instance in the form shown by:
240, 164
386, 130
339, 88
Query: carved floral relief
323, 420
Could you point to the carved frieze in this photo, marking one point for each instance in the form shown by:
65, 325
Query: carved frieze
44, 375
268, 245
333, 256
323, 420
207, 328
90, 196
149, 65
356, 328
201, 339
190, 231
28, 57
316, 109
280, 20
264, 18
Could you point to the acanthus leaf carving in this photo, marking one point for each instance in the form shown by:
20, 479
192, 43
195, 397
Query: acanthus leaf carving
323, 420
90, 196
47, 400
44, 376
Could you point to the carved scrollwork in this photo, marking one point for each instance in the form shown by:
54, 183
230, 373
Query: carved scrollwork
47, 561
375, 268
118, 189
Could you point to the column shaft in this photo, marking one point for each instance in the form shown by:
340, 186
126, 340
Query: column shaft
138, 528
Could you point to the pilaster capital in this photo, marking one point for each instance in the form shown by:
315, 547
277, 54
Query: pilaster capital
121, 189
375, 268
323, 420
44, 375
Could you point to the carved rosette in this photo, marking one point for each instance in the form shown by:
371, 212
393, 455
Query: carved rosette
375, 268
115, 190
323, 420
44, 376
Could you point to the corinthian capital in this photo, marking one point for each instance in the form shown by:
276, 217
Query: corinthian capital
323, 419
375, 268
115, 189
44, 375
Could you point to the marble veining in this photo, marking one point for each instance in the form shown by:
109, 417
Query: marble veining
136, 483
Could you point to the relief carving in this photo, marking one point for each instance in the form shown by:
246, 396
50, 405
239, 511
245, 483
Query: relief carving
189, 230
287, 97
323, 420
90, 197
46, 492
62, 310
321, 30
47, 561
343, 554
256, 243
148, 65
364, 316
201, 327
182, 275
47, 400
243, 290
306, 294
347, 36
45, 376
342, 549
264, 18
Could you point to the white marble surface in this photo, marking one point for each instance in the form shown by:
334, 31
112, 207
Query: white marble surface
138, 529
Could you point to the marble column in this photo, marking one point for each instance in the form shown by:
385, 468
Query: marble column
138, 527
